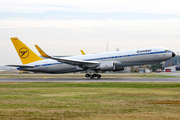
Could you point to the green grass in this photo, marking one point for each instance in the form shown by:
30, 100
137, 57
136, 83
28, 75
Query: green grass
91, 85
90, 101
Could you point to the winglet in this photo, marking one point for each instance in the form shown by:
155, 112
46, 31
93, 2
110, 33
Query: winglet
42, 52
83, 52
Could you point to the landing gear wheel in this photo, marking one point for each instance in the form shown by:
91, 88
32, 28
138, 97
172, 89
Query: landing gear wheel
91, 76
95, 75
98, 76
87, 75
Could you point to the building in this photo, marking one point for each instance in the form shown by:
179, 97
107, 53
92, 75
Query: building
172, 65
172, 69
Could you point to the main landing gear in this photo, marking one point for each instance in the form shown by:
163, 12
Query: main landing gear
93, 75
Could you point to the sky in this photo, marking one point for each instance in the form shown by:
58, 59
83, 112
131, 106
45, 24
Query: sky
64, 27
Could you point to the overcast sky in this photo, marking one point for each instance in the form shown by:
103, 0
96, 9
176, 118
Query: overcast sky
63, 27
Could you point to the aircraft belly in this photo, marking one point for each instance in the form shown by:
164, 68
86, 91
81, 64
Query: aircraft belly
144, 59
61, 67
54, 68
135, 59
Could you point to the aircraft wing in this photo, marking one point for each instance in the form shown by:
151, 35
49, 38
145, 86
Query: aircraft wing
80, 63
22, 66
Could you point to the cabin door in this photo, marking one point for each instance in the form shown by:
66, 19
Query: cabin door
156, 53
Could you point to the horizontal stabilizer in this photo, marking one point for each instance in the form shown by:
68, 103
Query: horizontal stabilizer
22, 66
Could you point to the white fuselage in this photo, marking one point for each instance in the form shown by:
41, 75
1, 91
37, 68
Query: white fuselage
122, 58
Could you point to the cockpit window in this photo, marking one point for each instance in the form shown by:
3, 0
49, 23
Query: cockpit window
166, 50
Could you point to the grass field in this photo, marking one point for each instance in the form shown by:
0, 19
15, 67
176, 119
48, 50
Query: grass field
97, 101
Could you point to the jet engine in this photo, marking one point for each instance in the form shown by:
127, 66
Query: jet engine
110, 65
119, 69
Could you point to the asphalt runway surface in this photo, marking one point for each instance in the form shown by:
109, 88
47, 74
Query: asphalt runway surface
89, 80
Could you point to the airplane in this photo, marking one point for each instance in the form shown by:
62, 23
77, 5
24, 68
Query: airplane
107, 61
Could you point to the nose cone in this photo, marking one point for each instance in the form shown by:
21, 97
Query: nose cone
173, 54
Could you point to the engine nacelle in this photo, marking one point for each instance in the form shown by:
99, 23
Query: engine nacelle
110, 65
106, 66
118, 68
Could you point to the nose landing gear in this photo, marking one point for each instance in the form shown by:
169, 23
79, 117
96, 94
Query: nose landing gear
162, 64
162, 68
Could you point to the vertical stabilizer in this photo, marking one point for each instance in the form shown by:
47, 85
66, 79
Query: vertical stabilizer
25, 53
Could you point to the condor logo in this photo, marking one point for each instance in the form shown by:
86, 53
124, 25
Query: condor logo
23, 52
141, 51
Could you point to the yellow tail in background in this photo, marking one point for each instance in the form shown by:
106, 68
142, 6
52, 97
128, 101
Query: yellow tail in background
83, 52
26, 55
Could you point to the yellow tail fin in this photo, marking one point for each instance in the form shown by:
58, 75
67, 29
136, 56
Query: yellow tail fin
83, 52
26, 55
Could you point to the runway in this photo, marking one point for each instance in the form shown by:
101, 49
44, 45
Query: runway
89, 80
